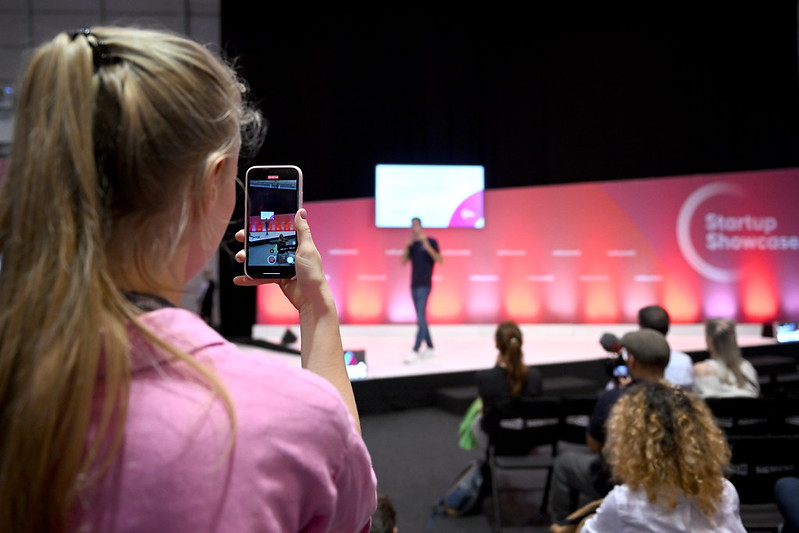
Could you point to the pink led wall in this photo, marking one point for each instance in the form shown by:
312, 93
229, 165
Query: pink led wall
704, 245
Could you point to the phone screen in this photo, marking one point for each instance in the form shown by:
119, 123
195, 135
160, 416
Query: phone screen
274, 193
355, 361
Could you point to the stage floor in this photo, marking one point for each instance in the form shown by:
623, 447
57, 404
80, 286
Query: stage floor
470, 347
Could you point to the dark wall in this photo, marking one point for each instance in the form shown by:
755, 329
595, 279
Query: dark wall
555, 95
548, 94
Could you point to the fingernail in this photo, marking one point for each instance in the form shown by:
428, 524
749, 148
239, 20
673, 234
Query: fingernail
303, 214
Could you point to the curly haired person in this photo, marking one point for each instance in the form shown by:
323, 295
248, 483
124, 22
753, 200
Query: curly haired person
669, 457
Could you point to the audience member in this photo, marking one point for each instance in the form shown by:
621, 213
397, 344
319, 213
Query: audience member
509, 378
726, 373
587, 474
669, 457
121, 411
384, 519
786, 494
680, 368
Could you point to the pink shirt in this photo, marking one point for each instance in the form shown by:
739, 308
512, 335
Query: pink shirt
296, 464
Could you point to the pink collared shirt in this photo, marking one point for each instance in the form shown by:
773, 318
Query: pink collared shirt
296, 463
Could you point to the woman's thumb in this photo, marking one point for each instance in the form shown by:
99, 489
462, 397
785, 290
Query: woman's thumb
302, 227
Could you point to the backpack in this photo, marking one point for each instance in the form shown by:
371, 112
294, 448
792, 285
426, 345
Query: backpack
465, 495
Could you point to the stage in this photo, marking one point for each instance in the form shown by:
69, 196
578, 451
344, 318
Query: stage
464, 348
569, 356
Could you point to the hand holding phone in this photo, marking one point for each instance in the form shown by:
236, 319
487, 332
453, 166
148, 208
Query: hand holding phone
273, 196
309, 286
321, 346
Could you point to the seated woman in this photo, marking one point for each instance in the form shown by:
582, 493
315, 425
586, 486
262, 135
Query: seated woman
726, 373
509, 378
669, 457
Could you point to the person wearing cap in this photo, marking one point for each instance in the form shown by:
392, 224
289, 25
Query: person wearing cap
680, 369
647, 354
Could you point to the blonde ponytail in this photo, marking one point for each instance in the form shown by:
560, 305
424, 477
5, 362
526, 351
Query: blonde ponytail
99, 152
53, 285
721, 336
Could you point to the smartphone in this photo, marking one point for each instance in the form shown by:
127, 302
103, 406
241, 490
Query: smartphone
273, 196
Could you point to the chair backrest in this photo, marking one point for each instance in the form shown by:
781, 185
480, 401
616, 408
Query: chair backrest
516, 426
575, 415
759, 461
743, 416
786, 416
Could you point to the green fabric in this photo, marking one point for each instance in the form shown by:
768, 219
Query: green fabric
465, 435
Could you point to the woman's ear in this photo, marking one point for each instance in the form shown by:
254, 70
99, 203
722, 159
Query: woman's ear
212, 181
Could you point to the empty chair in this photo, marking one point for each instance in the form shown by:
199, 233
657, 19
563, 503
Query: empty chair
759, 461
786, 416
743, 416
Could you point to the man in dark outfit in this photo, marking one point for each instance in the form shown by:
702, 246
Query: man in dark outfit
423, 253
588, 473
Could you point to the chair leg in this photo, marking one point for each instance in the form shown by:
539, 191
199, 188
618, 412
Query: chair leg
545, 499
495, 501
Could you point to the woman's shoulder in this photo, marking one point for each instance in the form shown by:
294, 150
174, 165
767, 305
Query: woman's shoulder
253, 377
489, 374
258, 377
706, 368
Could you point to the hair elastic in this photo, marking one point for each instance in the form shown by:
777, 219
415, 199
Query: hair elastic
100, 54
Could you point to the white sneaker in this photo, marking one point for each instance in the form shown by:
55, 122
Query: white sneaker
428, 353
412, 358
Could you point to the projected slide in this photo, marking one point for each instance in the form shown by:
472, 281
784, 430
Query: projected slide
442, 196
703, 246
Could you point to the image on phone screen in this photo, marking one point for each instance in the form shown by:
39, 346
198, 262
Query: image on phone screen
273, 197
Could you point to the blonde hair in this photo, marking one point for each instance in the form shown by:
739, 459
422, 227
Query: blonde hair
723, 343
508, 339
114, 131
664, 440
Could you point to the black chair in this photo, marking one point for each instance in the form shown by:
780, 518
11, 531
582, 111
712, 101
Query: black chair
514, 428
743, 416
771, 367
786, 416
756, 465
759, 461
575, 415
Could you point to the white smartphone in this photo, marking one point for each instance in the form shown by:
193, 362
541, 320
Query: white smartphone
273, 196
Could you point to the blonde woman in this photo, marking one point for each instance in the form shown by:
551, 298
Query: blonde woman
670, 458
119, 411
725, 374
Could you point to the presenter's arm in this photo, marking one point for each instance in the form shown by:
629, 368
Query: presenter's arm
432, 251
322, 351
406, 254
